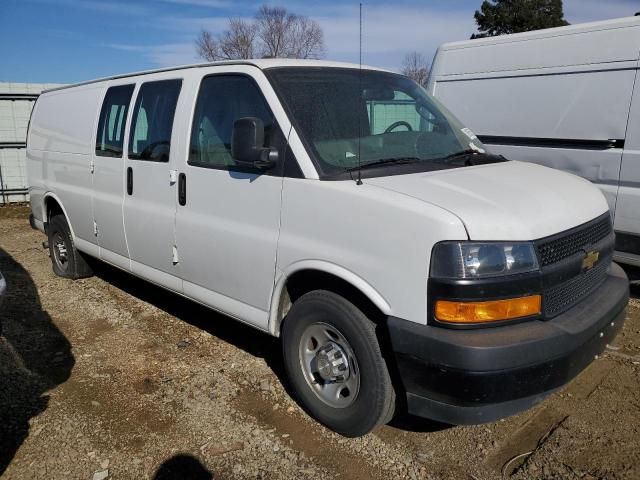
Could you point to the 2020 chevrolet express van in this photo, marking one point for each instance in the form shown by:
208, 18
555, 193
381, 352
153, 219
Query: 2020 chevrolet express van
345, 211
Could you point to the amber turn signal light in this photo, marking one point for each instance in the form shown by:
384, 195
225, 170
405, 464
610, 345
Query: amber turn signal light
491, 311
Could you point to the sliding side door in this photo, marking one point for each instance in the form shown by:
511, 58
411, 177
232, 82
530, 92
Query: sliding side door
150, 198
109, 175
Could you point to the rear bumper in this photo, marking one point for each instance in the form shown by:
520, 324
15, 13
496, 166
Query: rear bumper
481, 375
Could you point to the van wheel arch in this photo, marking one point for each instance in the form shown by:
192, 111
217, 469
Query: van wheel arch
308, 280
53, 207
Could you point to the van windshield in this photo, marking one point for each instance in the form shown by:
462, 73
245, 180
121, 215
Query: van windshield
373, 120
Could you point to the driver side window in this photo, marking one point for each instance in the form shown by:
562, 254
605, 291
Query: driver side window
223, 99
152, 123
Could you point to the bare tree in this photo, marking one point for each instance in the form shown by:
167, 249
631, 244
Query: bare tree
306, 39
207, 46
274, 24
274, 32
416, 67
238, 42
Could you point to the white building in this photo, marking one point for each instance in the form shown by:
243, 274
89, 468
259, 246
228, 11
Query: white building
16, 102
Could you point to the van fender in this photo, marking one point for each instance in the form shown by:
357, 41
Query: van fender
64, 211
322, 266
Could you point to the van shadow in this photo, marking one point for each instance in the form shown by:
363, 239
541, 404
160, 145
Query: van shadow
182, 467
219, 325
249, 339
34, 358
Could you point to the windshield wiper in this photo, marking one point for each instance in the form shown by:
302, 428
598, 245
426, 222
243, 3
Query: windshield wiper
463, 153
385, 161
472, 157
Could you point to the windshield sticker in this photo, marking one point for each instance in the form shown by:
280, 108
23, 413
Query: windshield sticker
350, 155
476, 148
469, 133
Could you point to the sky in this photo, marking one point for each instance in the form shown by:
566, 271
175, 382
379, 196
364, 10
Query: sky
64, 41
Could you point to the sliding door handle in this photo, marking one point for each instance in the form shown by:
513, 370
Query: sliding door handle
130, 181
182, 189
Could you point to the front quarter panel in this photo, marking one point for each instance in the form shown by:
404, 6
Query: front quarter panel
383, 238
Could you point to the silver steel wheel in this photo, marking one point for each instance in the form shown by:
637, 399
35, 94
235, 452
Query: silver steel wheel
329, 365
60, 253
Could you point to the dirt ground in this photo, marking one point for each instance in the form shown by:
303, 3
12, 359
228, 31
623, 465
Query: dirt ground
111, 377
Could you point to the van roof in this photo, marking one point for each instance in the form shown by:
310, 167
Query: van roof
610, 42
261, 63
546, 33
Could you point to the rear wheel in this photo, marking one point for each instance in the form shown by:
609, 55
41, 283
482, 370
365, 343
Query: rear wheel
67, 262
334, 364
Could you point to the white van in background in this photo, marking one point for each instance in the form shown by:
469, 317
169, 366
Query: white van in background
567, 98
343, 210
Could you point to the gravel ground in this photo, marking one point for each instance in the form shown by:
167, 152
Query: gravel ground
111, 377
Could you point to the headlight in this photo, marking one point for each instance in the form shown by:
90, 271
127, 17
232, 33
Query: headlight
482, 259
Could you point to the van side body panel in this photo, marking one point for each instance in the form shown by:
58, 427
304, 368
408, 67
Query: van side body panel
62, 154
35, 173
562, 104
627, 218
382, 236
60, 147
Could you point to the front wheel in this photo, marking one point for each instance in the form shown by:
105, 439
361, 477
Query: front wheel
334, 364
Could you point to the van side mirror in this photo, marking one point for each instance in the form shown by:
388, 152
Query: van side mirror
247, 144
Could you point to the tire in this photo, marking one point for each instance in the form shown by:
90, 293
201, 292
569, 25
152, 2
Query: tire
322, 325
67, 262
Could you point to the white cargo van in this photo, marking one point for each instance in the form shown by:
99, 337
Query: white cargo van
567, 98
349, 213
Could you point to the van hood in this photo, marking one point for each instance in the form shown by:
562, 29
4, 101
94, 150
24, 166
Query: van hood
505, 201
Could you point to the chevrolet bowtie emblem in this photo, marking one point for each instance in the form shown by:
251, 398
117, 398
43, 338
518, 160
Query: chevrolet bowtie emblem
590, 260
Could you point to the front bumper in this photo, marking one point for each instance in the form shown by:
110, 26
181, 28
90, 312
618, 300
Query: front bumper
481, 375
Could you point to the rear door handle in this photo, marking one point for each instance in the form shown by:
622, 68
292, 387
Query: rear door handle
182, 189
130, 181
